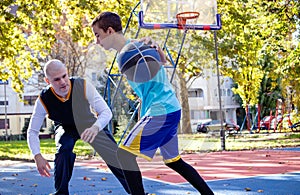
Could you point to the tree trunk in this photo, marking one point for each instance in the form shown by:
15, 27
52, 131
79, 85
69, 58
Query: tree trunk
185, 117
247, 117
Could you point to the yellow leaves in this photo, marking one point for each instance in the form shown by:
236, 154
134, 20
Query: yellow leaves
131, 97
39, 26
248, 84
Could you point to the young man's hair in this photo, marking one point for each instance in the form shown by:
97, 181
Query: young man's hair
108, 19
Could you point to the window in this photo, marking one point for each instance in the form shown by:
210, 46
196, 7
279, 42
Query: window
223, 92
3, 103
196, 93
29, 100
197, 114
229, 92
26, 120
2, 123
94, 76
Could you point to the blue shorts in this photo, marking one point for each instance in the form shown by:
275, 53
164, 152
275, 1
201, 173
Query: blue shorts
152, 132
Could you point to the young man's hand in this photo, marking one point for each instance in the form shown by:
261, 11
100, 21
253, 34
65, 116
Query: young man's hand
42, 165
89, 134
152, 43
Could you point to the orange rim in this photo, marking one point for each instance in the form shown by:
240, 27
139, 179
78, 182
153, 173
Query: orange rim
187, 15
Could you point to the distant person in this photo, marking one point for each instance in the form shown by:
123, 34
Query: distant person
160, 108
68, 102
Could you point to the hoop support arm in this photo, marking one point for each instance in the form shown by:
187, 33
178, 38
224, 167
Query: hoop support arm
218, 26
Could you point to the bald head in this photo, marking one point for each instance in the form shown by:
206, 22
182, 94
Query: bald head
56, 74
53, 66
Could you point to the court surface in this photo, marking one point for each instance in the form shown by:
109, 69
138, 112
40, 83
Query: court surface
273, 172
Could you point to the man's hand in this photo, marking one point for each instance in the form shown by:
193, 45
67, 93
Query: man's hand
42, 165
89, 134
152, 43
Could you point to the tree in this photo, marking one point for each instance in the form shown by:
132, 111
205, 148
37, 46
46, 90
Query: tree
248, 80
251, 30
29, 30
26, 34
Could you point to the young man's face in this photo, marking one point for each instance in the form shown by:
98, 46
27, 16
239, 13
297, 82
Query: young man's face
59, 81
104, 39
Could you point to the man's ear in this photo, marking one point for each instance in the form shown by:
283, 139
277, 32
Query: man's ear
110, 30
46, 80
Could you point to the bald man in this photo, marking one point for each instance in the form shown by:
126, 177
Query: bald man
68, 102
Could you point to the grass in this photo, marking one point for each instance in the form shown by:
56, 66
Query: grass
18, 150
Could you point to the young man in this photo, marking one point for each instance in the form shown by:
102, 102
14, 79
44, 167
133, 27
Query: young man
160, 109
67, 102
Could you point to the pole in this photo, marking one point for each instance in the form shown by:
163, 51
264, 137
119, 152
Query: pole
222, 131
5, 110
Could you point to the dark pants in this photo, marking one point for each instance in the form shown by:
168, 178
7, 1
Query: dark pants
106, 147
117, 160
63, 162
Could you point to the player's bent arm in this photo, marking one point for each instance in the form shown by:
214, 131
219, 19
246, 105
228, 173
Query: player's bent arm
104, 114
152, 43
34, 127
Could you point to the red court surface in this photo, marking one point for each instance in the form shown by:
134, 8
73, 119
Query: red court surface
221, 165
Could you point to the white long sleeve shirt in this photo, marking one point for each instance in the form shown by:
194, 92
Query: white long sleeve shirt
39, 113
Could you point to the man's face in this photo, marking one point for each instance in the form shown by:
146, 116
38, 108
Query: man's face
59, 81
103, 38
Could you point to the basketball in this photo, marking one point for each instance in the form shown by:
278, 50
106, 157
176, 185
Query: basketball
139, 62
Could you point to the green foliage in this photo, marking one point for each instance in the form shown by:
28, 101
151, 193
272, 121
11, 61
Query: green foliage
255, 34
29, 30
26, 29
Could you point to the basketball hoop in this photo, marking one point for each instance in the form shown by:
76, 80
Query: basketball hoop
184, 16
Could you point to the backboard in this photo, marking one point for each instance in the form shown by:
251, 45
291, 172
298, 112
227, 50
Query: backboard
159, 14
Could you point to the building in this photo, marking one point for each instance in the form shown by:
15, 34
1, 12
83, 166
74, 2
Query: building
204, 99
15, 112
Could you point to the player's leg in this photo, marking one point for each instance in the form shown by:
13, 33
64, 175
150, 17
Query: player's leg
143, 140
172, 159
191, 175
107, 148
131, 171
64, 161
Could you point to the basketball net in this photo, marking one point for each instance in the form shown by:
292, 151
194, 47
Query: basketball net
186, 20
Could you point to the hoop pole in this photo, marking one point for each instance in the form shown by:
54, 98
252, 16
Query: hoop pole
167, 50
142, 24
222, 131
178, 55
